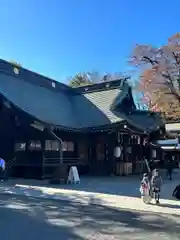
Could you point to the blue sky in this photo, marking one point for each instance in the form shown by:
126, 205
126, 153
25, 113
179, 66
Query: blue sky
59, 38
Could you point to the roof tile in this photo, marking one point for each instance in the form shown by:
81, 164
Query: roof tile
66, 107
93, 109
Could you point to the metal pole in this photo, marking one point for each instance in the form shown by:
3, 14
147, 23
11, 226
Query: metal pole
61, 147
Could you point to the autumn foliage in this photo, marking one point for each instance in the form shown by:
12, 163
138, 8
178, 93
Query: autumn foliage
160, 75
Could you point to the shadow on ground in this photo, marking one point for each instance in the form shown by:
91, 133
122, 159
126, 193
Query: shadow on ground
122, 186
167, 205
19, 221
74, 220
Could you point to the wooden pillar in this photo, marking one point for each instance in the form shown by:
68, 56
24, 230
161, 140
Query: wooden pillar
121, 162
143, 154
111, 146
125, 145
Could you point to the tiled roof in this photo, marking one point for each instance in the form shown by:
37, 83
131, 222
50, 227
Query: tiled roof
94, 109
61, 108
145, 120
46, 105
59, 105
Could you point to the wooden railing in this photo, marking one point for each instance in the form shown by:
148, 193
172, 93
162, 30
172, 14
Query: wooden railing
25, 162
46, 162
50, 164
56, 161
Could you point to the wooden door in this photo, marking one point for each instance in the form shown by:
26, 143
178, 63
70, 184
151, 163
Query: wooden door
101, 164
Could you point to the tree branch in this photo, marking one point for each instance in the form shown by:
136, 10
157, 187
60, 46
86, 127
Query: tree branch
153, 62
176, 58
170, 85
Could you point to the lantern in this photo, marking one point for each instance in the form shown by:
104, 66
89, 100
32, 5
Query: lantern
117, 151
154, 153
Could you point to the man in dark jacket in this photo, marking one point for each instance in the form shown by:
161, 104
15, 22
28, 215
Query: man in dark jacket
169, 169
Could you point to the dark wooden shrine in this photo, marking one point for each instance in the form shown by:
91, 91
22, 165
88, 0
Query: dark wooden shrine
46, 125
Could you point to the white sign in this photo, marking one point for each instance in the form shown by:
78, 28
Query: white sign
73, 176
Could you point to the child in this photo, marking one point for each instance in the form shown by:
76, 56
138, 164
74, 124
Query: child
156, 183
145, 183
145, 179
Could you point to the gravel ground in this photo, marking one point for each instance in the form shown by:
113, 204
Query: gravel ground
29, 218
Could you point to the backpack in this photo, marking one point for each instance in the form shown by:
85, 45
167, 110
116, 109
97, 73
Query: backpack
156, 181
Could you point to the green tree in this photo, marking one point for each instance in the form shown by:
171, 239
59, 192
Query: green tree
83, 79
80, 79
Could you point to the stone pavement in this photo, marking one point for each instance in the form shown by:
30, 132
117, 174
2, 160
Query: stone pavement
118, 192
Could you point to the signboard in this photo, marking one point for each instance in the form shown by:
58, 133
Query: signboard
73, 176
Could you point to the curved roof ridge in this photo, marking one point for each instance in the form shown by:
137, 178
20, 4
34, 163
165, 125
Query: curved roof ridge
32, 77
81, 109
101, 86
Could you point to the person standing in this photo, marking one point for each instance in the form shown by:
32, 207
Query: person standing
145, 180
2, 168
169, 169
156, 183
145, 189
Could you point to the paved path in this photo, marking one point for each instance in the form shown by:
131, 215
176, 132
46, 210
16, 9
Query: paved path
117, 194
29, 218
